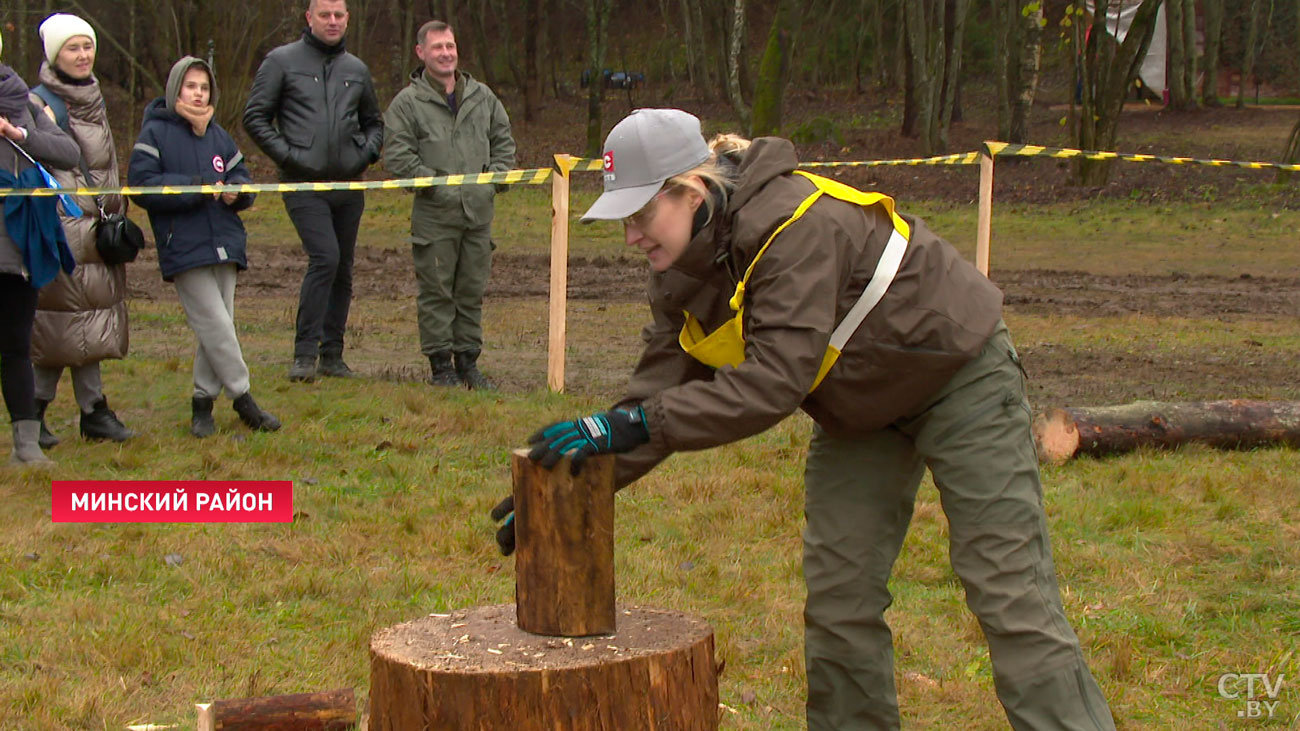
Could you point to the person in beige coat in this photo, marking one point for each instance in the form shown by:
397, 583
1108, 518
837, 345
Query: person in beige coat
81, 318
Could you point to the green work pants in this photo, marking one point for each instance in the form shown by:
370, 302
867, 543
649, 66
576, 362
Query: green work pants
452, 270
974, 436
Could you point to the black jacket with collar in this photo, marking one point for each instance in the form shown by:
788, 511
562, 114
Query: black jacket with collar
314, 112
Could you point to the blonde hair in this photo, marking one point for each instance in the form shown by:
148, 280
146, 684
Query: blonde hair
712, 173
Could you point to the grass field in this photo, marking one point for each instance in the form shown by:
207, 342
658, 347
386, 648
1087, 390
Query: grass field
1177, 567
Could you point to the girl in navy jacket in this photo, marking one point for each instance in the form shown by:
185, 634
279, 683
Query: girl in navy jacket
200, 239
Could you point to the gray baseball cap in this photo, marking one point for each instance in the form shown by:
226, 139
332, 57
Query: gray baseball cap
648, 147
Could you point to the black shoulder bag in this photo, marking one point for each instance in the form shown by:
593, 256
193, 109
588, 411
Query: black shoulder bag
117, 238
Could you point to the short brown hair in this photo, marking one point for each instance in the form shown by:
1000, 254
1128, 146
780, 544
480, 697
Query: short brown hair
433, 26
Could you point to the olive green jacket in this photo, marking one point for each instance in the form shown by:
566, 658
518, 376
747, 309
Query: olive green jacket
423, 138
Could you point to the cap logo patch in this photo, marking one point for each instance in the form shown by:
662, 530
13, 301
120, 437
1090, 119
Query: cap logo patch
218, 164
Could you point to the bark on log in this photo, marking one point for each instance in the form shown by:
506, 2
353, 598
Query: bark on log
476, 669
1234, 424
334, 710
564, 555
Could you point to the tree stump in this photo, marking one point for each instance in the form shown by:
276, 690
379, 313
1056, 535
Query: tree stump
475, 669
1235, 424
586, 665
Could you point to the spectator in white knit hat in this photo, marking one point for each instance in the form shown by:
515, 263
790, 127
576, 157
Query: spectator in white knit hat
81, 318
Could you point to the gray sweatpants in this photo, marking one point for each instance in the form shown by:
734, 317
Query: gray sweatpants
208, 296
87, 384
974, 436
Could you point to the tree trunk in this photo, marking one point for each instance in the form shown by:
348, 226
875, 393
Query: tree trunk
532, 81
564, 530
597, 26
1026, 75
1237, 424
334, 710
1189, 42
688, 38
1109, 70
483, 50
954, 29
735, 59
770, 87
1213, 10
921, 50
1290, 153
1248, 53
475, 669
1003, 63
1178, 52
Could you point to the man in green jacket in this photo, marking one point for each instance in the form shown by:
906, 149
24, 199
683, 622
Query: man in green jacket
447, 123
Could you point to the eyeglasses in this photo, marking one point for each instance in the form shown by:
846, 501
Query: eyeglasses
642, 218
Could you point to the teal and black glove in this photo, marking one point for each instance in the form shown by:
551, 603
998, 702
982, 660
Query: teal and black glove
609, 432
506, 533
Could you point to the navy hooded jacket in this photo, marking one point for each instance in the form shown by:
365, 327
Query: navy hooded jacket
191, 229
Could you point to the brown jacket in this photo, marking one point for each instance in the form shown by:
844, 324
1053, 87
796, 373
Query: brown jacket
81, 318
935, 317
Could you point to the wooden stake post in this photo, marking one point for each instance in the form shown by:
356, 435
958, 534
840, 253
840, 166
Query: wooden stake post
984, 235
559, 295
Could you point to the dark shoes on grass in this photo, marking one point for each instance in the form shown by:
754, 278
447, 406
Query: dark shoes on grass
460, 369
201, 423
332, 366
102, 423
254, 417
303, 370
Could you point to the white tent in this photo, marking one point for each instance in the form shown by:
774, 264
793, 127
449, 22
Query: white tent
1119, 16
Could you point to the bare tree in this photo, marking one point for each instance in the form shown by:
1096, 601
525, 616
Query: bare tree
735, 59
532, 83
1249, 52
1213, 10
1181, 24
597, 26
772, 74
1108, 71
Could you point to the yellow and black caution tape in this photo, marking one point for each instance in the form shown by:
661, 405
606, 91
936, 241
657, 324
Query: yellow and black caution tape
1006, 149
960, 158
537, 176
533, 176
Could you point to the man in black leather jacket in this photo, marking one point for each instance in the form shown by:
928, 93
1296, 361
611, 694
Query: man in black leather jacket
313, 111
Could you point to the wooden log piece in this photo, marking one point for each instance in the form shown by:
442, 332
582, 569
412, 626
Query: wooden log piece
564, 547
475, 669
334, 710
1233, 424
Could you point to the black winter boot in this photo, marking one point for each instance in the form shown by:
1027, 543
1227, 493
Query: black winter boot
467, 369
332, 365
444, 374
102, 423
253, 416
303, 370
201, 423
48, 439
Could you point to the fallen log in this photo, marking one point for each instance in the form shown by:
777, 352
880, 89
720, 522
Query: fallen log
1233, 424
334, 710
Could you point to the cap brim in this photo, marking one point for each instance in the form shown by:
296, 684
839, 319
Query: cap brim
613, 205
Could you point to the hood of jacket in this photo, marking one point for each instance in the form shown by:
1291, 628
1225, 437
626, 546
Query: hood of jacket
177, 75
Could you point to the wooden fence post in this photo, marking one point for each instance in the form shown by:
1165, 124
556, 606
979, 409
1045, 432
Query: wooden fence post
555, 341
985, 233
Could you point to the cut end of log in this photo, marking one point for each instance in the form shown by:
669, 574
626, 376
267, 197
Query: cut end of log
1056, 436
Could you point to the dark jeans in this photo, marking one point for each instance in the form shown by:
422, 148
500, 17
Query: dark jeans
17, 311
327, 223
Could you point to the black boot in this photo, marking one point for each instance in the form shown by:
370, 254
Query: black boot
48, 439
467, 369
444, 374
253, 416
332, 365
303, 370
102, 423
201, 423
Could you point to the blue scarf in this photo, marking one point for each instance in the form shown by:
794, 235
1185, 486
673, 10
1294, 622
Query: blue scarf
33, 224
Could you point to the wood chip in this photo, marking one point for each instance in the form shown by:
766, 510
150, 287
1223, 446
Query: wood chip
494, 651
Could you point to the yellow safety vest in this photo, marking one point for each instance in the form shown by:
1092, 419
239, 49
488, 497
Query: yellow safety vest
726, 345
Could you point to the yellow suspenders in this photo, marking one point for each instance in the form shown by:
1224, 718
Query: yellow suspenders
726, 345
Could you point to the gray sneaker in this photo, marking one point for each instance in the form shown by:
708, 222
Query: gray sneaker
303, 370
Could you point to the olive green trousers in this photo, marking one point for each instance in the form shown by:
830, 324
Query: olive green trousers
974, 437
